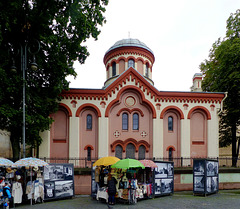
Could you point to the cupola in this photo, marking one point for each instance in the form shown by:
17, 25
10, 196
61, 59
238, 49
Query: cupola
128, 53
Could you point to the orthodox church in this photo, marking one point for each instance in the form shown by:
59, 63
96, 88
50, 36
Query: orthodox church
130, 118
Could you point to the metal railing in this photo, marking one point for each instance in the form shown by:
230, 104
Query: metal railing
178, 162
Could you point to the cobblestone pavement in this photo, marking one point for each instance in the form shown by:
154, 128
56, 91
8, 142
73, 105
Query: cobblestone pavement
224, 199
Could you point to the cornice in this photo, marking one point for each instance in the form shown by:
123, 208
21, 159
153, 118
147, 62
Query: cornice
128, 50
131, 75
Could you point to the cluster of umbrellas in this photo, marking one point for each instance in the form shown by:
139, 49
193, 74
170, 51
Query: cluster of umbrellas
125, 163
24, 162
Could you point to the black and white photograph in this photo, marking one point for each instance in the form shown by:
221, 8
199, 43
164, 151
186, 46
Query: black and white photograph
212, 184
63, 188
212, 168
157, 186
56, 172
68, 172
167, 186
170, 169
49, 190
162, 170
198, 167
199, 183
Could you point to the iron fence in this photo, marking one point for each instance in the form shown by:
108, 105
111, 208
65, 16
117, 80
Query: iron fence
178, 162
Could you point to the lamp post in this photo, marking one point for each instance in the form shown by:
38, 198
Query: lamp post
27, 48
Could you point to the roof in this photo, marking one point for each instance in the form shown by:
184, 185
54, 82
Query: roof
129, 42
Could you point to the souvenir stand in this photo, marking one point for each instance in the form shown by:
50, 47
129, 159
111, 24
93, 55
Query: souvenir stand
145, 179
163, 178
58, 181
126, 172
6, 175
100, 170
205, 176
29, 184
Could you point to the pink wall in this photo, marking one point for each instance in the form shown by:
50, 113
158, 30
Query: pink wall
121, 66
130, 102
140, 67
198, 134
88, 137
171, 139
59, 142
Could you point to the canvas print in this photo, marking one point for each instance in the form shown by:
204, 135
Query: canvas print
198, 167
56, 172
162, 170
212, 168
167, 186
199, 183
170, 169
157, 186
63, 188
212, 184
49, 190
68, 172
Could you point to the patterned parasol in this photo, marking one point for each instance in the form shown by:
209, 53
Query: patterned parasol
30, 162
5, 162
148, 163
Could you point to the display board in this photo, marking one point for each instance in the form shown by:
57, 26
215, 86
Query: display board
205, 176
94, 185
58, 181
163, 178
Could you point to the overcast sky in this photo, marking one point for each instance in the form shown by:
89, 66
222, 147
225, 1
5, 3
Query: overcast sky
179, 32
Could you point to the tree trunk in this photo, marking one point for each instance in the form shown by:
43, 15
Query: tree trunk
234, 146
15, 147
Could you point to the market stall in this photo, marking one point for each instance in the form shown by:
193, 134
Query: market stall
29, 184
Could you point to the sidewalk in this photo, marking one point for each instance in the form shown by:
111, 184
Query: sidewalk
224, 199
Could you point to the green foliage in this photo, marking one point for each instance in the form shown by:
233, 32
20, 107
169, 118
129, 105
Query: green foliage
222, 73
61, 27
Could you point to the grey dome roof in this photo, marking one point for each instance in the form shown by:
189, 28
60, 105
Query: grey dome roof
129, 42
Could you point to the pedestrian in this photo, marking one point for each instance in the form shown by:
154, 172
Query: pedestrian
6, 195
111, 189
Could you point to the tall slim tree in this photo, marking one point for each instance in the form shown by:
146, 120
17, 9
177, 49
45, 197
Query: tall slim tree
61, 27
222, 73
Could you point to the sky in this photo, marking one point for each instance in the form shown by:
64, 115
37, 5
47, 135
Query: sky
179, 32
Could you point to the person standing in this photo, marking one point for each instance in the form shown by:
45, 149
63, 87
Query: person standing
111, 189
6, 195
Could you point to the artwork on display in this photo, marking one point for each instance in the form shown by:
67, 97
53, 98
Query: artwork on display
63, 188
162, 170
212, 168
199, 168
94, 183
199, 183
212, 184
166, 186
157, 186
163, 178
58, 180
49, 190
170, 169
205, 176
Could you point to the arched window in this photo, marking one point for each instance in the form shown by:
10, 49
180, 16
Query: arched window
147, 71
89, 154
141, 152
118, 151
131, 63
130, 151
114, 69
125, 121
135, 121
170, 123
89, 122
170, 154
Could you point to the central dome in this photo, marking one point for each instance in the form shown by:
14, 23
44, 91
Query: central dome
129, 42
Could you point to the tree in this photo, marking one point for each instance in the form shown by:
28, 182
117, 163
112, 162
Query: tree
61, 27
222, 73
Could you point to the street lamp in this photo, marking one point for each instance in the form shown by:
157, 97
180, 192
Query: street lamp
27, 48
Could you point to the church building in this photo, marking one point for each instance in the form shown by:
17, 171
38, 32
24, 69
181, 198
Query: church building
130, 118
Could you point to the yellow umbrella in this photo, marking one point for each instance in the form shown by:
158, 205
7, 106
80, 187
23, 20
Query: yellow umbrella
105, 161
